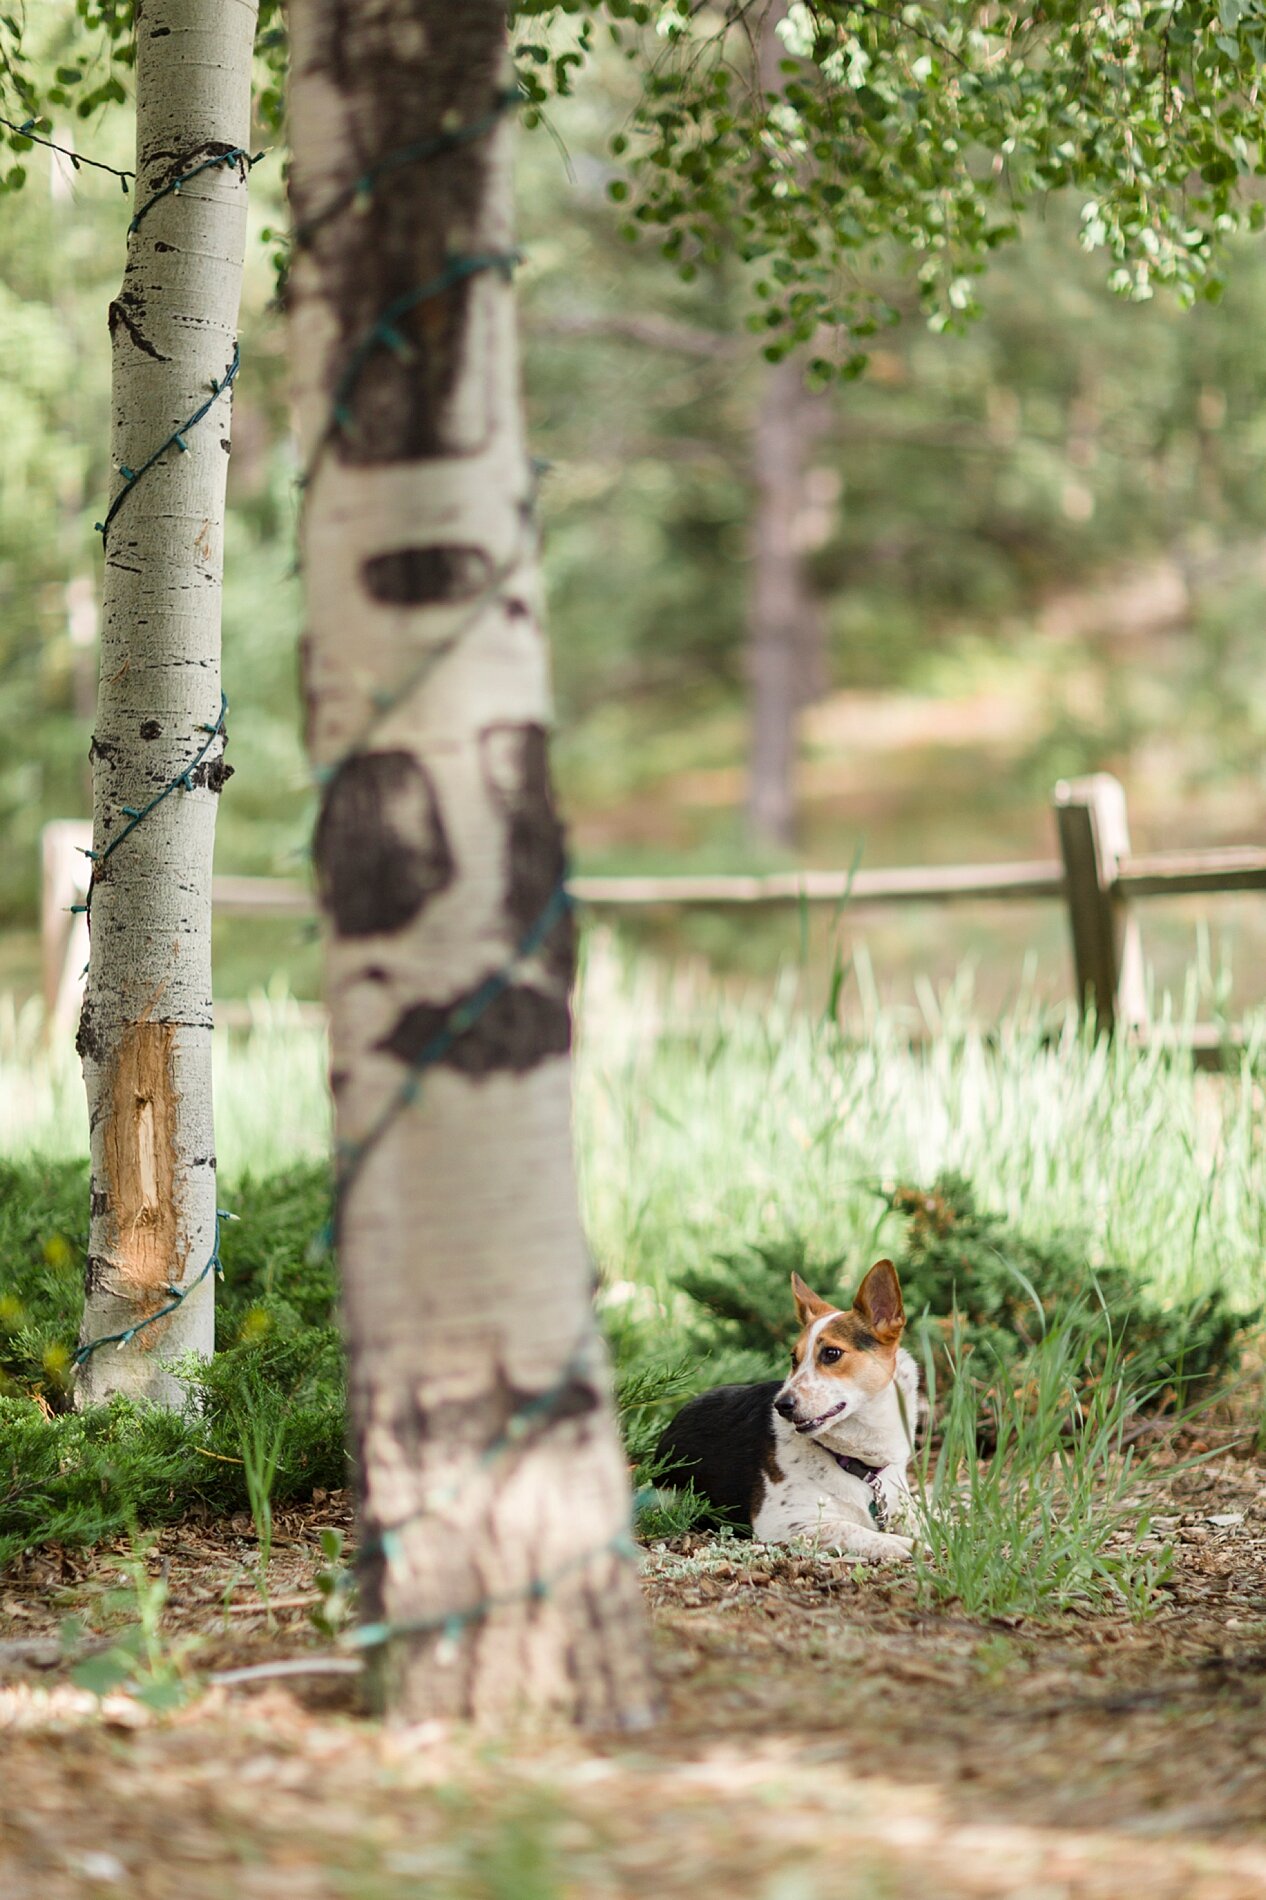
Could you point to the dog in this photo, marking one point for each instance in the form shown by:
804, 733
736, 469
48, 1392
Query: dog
823, 1454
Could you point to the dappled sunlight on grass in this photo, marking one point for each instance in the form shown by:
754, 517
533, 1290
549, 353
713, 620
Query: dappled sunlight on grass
703, 1118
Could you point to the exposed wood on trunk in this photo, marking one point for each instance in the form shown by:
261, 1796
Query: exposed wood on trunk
139, 1156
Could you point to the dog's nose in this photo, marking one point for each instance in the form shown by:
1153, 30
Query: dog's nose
785, 1405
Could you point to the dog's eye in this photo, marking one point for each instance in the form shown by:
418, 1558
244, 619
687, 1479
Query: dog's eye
830, 1354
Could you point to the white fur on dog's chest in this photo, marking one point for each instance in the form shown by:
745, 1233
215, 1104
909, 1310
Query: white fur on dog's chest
806, 1494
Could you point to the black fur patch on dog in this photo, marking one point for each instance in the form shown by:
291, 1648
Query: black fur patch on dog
720, 1442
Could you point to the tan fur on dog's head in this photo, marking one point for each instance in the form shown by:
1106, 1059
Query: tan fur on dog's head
843, 1358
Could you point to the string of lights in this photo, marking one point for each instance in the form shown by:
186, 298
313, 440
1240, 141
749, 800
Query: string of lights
362, 189
77, 159
137, 814
176, 440
177, 1297
542, 1408
450, 1625
385, 334
235, 155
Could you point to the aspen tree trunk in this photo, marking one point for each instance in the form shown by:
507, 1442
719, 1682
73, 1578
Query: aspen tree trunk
145, 1032
785, 660
494, 1497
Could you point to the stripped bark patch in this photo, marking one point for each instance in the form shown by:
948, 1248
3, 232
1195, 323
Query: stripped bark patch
519, 1028
422, 577
382, 852
139, 1169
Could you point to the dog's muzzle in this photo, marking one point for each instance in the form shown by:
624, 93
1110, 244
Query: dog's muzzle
785, 1406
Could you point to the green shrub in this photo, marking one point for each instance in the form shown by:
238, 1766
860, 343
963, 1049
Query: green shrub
80, 1478
964, 1266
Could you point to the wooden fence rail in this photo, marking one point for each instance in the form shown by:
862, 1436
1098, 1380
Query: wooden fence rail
1096, 876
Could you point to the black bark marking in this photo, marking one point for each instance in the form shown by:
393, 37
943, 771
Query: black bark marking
518, 1029
225, 444
212, 775
397, 87
98, 1202
182, 162
88, 1040
480, 1426
120, 313
150, 729
95, 1270
382, 852
516, 768
164, 248
102, 749
417, 577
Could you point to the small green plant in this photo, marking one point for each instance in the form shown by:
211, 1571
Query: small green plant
141, 1660
1054, 1519
261, 1444
335, 1584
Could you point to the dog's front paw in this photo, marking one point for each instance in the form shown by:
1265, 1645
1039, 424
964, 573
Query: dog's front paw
890, 1549
875, 1547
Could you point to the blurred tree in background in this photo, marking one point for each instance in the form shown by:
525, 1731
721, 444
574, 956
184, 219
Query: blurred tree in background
969, 513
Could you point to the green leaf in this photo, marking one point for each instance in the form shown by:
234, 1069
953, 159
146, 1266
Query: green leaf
102, 1674
162, 1696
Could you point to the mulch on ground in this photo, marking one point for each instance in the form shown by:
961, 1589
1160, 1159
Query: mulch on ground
824, 1734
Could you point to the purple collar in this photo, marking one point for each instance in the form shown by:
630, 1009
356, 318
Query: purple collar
855, 1467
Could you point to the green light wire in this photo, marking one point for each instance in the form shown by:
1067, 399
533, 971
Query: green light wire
178, 1297
236, 155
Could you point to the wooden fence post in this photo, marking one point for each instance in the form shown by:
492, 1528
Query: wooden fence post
64, 936
1094, 836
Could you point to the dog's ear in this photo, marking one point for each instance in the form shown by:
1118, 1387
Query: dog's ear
879, 1303
808, 1306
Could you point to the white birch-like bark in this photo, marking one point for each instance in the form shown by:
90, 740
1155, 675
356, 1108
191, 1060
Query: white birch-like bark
494, 1495
145, 1032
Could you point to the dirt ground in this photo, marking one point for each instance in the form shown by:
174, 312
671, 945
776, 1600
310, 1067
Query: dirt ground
824, 1738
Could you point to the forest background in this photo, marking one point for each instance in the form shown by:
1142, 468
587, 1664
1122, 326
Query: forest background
1035, 548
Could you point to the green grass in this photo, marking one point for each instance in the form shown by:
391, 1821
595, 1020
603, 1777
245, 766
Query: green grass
708, 1124
1056, 1518
1108, 1217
